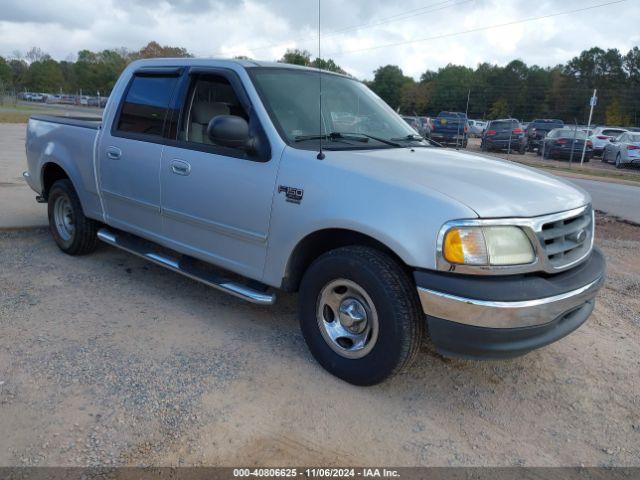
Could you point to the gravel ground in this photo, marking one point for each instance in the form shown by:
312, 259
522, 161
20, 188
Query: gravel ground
108, 360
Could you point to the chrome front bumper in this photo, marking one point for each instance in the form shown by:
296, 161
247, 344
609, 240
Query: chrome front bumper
497, 314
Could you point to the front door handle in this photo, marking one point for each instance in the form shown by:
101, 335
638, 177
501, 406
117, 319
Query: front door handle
114, 153
180, 167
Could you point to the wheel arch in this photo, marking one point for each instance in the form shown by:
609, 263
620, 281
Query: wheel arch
51, 172
321, 241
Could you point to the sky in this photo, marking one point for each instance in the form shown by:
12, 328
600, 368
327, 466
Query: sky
360, 35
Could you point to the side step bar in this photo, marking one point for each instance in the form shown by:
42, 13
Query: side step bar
142, 249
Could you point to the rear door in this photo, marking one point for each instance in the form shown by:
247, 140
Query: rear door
216, 201
130, 152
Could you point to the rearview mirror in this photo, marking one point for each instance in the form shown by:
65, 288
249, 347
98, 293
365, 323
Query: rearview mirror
229, 131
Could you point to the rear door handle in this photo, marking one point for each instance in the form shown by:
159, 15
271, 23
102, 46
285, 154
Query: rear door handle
114, 153
180, 167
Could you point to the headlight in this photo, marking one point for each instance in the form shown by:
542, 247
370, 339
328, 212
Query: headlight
495, 245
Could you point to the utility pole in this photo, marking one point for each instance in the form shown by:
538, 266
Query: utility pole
592, 102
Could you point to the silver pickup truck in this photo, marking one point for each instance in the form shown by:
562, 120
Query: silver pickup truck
214, 169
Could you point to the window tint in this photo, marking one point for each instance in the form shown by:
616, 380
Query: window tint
568, 133
145, 106
505, 124
209, 97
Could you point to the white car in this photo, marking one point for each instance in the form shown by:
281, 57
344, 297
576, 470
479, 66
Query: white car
601, 136
623, 149
477, 127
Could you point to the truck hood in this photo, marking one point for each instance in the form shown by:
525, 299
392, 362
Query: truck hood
491, 187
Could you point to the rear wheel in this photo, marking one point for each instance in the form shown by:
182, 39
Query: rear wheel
360, 314
74, 233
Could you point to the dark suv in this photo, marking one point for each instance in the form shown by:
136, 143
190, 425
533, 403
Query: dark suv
538, 129
505, 134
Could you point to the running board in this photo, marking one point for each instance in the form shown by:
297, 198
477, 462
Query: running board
183, 266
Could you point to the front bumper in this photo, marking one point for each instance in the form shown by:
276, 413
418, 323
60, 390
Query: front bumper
498, 317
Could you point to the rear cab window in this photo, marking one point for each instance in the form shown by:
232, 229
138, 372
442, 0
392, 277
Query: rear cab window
145, 107
612, 132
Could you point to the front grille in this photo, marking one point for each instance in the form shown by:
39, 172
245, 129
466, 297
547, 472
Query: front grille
567, 240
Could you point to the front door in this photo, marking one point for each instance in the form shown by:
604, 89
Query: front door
216, 201
130, 154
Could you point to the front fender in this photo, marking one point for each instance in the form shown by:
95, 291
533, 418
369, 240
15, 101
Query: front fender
403, 218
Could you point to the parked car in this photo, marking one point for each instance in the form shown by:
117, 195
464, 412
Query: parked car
413, 122
97, 101
505, 134
427, 125
538, 129
566, 144
623, 150
199, 163
450, 128
601, 136
476, 128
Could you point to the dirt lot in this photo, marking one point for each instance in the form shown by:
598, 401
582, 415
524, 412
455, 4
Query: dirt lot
106, 359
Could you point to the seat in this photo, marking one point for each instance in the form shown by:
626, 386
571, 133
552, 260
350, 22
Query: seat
201, 115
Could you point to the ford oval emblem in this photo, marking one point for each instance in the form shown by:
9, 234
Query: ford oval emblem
579, 236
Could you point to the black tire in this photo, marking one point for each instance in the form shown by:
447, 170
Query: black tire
400, 319
522, 150
81, 238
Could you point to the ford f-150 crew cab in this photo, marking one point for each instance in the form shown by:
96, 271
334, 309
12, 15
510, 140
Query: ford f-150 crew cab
213, 169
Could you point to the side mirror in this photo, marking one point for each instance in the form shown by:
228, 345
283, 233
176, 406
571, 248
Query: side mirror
229, 131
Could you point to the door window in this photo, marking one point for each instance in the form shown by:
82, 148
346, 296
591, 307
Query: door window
209, 96
145, 106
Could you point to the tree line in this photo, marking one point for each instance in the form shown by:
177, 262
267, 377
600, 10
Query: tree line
487, 91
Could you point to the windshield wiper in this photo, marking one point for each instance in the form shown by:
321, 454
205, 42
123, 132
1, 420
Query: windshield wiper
411, 137
377, 139
353, 136
330, 136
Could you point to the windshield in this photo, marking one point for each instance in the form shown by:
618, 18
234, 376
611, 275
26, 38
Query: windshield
352, 115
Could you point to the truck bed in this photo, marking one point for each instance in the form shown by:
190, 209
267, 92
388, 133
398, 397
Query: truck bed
67, 142
78, 121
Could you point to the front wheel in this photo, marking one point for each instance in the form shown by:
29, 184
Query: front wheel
360, 314
74, 233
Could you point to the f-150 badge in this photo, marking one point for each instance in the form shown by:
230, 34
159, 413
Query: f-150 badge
292, 194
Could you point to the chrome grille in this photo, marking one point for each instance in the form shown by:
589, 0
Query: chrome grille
566, 241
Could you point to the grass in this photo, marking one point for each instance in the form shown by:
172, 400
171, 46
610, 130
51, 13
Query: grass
17, 116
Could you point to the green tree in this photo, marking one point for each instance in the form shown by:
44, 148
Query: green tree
615, 116
44, 76
329, 65
499, 109
388, 82
296, 57
155, 50
5, 73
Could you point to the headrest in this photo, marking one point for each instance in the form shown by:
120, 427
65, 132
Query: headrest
203, 112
